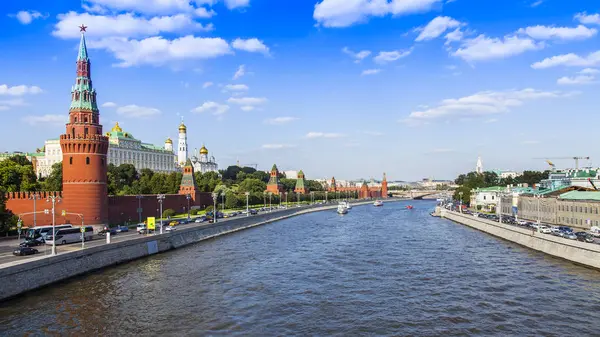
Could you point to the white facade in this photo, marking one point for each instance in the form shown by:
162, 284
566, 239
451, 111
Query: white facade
182, 153
123, 148
52, 155
203, 163
508, 174
291, 174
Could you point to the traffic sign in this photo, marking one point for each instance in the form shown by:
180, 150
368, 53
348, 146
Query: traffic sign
151, 223
82, 229
63, 213
46, 211
19, 224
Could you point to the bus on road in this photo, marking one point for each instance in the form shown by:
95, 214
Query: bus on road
39, 233
71, 235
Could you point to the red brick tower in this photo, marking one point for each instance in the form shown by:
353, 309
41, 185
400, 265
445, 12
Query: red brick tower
188, 183
274, 186
84, 149
333, 185
384, 189
301, 184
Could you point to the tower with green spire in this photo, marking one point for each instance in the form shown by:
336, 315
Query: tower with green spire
85, 148
301, 184
188, 183
274, 186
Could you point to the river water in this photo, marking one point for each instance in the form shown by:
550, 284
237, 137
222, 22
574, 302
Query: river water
375, 271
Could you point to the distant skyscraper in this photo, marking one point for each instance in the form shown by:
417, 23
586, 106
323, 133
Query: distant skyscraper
479, 167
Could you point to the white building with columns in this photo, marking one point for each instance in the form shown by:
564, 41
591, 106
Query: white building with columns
204, 163
123, 148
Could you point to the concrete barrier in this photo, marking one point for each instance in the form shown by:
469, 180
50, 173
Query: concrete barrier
20, 277
582, 253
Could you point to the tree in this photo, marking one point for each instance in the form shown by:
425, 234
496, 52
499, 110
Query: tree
252, 185
168, 213
261, 176
53, 182
16, 174
231, 200
314, 185
288, 184
466, 194
7, 219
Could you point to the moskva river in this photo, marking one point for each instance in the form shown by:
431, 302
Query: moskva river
384, 271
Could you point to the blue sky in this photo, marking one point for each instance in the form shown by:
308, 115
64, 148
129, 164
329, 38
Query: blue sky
351, 88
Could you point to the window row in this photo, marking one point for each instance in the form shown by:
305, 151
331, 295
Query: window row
580, 209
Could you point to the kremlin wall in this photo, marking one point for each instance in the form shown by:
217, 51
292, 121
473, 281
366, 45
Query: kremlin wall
84, 165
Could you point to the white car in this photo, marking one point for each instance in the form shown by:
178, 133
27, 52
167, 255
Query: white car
544, 230
141, 227
170, 228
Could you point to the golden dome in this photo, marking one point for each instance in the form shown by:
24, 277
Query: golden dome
203, 150
168, 141
116, 128
182, 128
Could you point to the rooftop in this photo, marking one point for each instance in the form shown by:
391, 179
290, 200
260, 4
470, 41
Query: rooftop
581, 195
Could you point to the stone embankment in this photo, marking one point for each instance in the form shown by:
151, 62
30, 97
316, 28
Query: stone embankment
586, 254
19, 277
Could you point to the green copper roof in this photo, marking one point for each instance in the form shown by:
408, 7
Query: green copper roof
300, 181
274, 168
580, 195
83, 55
188, 177
490, 189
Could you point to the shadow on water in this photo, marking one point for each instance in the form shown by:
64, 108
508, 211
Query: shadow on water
374, 271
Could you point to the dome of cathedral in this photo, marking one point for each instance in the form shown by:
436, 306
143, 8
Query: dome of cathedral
168, 141
116, 128
182, 128
203, 150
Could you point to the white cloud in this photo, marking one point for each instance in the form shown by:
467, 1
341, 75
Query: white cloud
390, 56
247, 101
19, 90
537, 3
235, 87
344, 13
46, 119
280, 120
589, 71
26, 17
323, 135
212, 107
207, 84
109, 105
530, 142
232, 4
158, 50
370, 72
253, 45
124, 25
135, 111
437, 27
483, 103
204, 13
373, 133
454, 36
580, 79
591, 19
485, 48
558, 33
240, 72
9, 103
145, 6
569, 60
277, 146
359, 56
247, 108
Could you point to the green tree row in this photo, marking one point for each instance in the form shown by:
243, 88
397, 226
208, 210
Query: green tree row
473, 180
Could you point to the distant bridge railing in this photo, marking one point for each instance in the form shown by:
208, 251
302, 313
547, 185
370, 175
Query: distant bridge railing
421, 194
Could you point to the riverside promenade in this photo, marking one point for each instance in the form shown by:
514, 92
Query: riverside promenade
582, 253
18, 277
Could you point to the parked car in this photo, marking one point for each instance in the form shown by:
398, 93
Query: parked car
112, 231
20, 251
544, 229
173, 223
253, 212
122, 229
584, 237
200, 219
30, 243
565, 229
569, 235
170, 228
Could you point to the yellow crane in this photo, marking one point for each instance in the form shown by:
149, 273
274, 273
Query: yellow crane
560, 158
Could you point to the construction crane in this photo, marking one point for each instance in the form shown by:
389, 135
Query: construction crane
560, 158
552, 166
255, 166
591, 182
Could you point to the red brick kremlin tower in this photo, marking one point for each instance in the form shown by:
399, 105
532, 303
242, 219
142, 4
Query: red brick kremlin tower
384, 189
84, 149
274, 186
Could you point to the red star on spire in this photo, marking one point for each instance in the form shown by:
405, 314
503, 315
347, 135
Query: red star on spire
82, 28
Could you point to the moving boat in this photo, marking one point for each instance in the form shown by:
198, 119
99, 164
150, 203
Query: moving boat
409, 207
342, 209
346, 204
378, 203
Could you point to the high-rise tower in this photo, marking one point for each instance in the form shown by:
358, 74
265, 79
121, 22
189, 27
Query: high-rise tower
182, 154
384, 187
479, 166
84, 149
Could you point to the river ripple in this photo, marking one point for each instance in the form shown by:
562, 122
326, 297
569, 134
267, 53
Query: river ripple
381, 271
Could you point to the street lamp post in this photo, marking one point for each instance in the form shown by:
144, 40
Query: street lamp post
160, 198
188, 197
500, 208
264, 199
247, 208
538, 208
326, 196
312, 198
223, 201
270, 208
215, 196
139, 210
54, 199
286, 200
279, 200
34, 197
461, 194
298, 198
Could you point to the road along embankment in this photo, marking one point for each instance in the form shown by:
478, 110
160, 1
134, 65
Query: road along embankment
19, 277
586, 254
